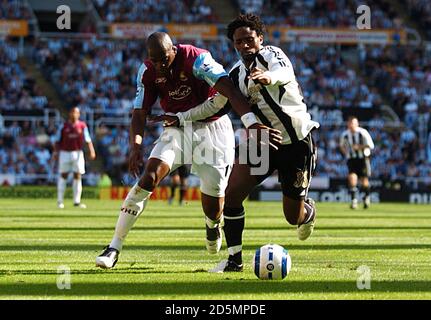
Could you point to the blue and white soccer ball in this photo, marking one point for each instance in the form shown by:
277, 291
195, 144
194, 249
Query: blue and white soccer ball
271, 262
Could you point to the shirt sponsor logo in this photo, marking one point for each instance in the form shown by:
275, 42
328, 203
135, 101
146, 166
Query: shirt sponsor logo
180, 93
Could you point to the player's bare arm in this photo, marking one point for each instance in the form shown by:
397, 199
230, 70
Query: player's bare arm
92, 151
136, 138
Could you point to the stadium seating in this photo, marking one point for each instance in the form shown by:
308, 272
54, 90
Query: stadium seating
155, 11
98, 75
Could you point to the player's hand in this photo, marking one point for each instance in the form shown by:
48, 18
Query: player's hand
135, 160
275, 137
168, 120
259, 75
55, 156
92, 156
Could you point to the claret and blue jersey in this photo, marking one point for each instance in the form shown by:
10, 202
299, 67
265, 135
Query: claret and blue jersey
192, 76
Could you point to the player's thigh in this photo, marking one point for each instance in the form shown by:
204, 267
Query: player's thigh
213, 179
295, 164
213, 143
169, 148
65, 164
78, 162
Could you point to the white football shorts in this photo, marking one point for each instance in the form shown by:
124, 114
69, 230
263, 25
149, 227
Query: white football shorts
208, 146
71, 161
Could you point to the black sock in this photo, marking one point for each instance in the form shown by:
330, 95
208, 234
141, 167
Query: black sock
183, 190
234, 221
366, 191
173, 187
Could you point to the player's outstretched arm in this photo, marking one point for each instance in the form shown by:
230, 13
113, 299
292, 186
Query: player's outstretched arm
202, 111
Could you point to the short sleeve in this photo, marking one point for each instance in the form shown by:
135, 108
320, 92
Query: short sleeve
207, 69
146, 92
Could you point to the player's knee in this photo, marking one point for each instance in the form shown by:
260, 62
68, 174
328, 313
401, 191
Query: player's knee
148, 181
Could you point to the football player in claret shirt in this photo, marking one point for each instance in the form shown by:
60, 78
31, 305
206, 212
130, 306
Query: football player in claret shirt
182, 76
68, 150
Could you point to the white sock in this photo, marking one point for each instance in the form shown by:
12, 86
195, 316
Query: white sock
131, 209
77, 190
61, 188
235, 249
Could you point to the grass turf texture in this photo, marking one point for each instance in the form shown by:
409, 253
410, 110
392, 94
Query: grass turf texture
164, 256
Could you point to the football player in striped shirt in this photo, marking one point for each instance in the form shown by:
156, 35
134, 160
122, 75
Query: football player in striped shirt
265, 76
356, 145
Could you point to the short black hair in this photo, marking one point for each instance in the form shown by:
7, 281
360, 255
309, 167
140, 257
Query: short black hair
246, 20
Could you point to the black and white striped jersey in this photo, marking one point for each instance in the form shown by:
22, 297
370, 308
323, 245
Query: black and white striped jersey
279, 105
360, 137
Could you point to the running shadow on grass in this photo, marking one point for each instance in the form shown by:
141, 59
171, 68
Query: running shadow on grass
201, 288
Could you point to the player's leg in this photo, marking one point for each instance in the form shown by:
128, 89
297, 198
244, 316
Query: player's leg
131, 209
213, 209
352, 183
365, 183
296, 163
165, 153
77, 190
213, 157
78, 171
184, 173
240, 184
61, 189
365, 186
175, 181
64, 167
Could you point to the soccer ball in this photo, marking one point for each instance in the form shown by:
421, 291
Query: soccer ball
271, 262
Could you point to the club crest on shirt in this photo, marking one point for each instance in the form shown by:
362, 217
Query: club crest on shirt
183, 76
301, 179
254, 94
160, 80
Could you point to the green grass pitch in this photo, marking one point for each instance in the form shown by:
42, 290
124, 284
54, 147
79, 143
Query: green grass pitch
164, 256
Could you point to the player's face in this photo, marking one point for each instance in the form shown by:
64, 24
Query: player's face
162, 59
353, 124
247, 43
74, 114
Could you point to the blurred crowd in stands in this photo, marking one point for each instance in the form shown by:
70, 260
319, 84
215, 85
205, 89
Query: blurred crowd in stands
17, 90
99, 76
180, 11
14, 9
320, 13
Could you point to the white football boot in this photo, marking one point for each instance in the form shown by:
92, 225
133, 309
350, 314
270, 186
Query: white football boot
306, 229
